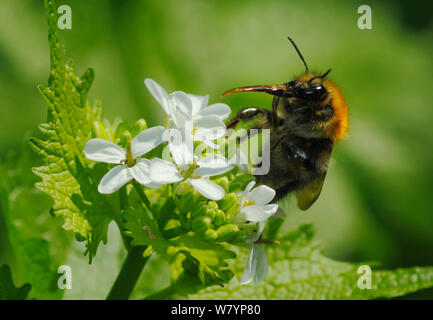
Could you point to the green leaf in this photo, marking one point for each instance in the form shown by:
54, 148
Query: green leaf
187, 252
31, 255
67, 175
8, 291
298, 270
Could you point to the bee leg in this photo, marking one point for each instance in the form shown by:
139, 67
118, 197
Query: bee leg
263, 118
280, 139
275, 103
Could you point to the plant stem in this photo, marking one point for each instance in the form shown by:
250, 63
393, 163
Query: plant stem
134, 263
142, 195
123, 204
129, 274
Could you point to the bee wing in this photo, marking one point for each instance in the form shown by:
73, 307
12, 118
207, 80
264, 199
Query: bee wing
310, 193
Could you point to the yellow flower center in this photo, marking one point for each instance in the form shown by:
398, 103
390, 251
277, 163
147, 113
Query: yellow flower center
129, 157
189, 172
249, 203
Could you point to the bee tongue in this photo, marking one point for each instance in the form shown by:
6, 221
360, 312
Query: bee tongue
276, 90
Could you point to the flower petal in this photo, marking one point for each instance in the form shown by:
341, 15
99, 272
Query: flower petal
141, 171
207, 188
209, 128
260, 227
162, 172
146, 140
250, 269
214, 160
198, 103
261, 195
153, 185
221, 110
180, 108
209, 172
158, 93
247, 191
104, 151
181, 147
212, 165
257, 213
270, 209
211, 144
114, 180
261, 263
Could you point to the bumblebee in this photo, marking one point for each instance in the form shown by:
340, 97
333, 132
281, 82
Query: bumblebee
309, 115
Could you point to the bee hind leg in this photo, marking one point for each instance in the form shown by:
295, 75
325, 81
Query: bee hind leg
251, 118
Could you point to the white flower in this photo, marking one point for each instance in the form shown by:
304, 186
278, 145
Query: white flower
128, 166
255, 207
257, 266
191, 113
255, 203
197, 174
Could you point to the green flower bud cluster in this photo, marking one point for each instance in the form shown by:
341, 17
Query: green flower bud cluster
213, 220
125, 132
210, 219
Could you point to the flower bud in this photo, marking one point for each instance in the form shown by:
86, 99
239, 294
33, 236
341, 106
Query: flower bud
212, 205
139, 126
201, 224
224, 183
126, 135
185, 219
148, 252
228, 201
211, 209
182, 187
240, 182
210, 213
240, 237
220, 218
120, 129
210, 235
199, 210
227, 232
232, 211
187, 201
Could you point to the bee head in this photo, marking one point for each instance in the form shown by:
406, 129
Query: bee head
308, 87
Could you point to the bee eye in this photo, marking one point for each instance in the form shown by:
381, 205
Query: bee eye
314, 93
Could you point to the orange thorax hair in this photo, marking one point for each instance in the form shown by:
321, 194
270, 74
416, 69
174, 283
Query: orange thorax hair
336, 129
339, 124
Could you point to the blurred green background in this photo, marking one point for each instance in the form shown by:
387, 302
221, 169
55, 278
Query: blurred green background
376, 204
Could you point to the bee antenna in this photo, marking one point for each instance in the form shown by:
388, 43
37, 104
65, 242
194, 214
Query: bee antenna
325, 74
299, 53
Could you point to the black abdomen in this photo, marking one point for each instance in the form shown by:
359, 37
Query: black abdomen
296, 162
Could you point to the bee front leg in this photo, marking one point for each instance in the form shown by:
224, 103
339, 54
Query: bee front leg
275, 103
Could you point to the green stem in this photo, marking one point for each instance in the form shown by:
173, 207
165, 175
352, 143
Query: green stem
123, 204
134, 262
142, 195
129, 274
